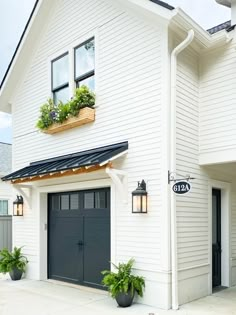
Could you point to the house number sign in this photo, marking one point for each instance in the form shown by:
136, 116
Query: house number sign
181, 187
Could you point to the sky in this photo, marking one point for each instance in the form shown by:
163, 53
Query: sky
14, 15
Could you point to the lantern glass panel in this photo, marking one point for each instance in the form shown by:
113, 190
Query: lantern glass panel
18, 206
137, 204
18, 209
144, 204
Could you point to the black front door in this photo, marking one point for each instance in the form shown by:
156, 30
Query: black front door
79, 236
216, 237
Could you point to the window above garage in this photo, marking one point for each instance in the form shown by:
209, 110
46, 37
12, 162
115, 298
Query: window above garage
60, 79
85, 64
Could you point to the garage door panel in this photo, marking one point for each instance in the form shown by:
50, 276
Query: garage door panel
79, 236
96, 248
64, 249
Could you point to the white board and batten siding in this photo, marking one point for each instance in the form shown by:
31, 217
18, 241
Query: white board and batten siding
128, 108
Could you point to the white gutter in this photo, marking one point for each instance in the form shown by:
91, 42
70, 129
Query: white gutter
181, 21
174, 256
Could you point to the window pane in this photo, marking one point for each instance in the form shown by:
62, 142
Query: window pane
100, 199
74, 201
60, 71
61, 95
89, 82
64, 202
89, 200
84, 58
3, 207
55, 202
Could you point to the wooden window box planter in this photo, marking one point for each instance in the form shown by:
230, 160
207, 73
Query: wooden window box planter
85, 116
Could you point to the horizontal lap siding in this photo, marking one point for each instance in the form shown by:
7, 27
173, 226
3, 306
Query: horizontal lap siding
128, 107
192, 209
217, 100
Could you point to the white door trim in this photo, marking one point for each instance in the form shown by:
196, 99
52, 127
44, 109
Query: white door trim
225, 231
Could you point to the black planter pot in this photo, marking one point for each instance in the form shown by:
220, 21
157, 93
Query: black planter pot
125, 299
15, 274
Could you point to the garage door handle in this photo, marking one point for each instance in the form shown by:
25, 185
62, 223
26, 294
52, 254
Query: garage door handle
80, 243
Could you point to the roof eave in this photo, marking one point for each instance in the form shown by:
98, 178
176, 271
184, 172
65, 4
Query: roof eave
203, 39
147, 8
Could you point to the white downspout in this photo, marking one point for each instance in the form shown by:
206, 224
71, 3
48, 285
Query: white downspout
174, 257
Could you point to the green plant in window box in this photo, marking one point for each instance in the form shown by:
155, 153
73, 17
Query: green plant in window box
83, 97
62, 112
46, 118
51, 113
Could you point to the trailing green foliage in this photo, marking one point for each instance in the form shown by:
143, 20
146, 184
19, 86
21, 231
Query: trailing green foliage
11, 260
46, 115
51, 113
123, 280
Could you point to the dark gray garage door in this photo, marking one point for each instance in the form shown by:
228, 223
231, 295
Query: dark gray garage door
79, 236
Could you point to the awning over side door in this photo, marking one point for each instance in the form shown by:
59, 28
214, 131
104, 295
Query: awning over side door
75, 163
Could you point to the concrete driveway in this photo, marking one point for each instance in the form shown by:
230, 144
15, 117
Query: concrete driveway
27, 297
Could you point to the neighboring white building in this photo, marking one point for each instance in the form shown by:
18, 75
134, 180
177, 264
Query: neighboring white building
159, 109
5, 188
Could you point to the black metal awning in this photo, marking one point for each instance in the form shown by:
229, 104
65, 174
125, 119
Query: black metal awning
73, 162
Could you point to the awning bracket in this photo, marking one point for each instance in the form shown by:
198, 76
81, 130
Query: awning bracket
119, 178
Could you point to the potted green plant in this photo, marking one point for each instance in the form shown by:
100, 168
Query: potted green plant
122, 284
13, 262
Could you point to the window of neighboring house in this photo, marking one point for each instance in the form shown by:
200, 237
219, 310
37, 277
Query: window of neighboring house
84, 64
60, 79
3, 207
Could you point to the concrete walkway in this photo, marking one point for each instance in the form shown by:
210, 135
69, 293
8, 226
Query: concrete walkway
27, 297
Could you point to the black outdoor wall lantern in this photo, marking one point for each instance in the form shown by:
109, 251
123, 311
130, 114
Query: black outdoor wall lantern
18, 206
139, 198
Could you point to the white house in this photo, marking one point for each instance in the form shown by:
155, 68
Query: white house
165, 111
5, 188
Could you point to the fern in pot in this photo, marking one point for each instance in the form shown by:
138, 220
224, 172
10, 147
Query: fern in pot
13, 262
122, 284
